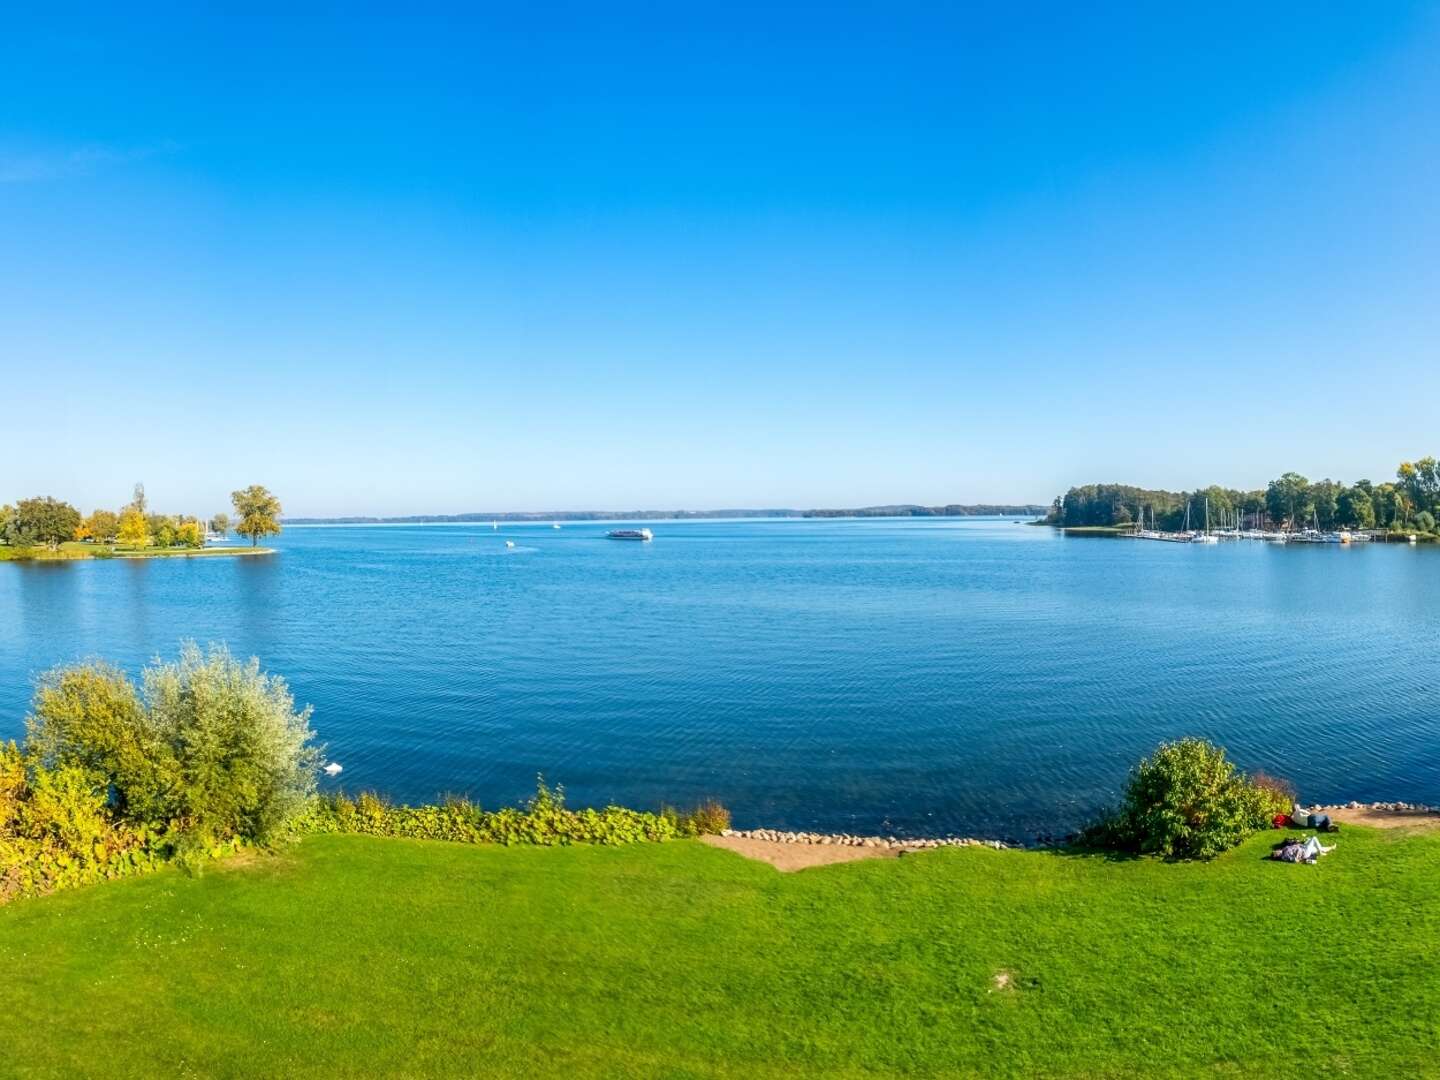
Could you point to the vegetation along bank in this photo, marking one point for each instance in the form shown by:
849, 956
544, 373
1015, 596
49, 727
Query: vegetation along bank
47, 528
266, 930
376, 954
207, 754
1408, 505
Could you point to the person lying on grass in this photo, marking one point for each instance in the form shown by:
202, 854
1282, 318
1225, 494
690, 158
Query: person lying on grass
1304, 819
1293, 849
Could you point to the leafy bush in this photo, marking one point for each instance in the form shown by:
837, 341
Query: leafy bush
91, 716
545, 820
207, 755
710, 818
57, 830
212, 746
1188, 801
246, 759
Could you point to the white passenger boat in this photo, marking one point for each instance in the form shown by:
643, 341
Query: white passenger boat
630, 534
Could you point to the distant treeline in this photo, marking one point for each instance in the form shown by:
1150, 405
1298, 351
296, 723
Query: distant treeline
1411, 501
903, 510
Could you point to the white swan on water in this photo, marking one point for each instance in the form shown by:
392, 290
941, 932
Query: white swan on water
333, 769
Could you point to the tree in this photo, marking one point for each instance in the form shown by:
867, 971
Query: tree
187, 533
138, 501
1425, 521
220, 524
133, 531
1288, 498
7, 524
1221, 503
102, 526
45, 521
163, 530
1420, 480
1356, 507
1325, 501
1252, 503
1383, 497
259, 513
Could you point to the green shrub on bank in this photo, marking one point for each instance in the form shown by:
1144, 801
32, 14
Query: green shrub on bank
209, 748
207, 755
545, 820
1188, 801
57, 830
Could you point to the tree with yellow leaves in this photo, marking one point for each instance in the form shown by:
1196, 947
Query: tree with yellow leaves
101, 527
133, 531
259, 512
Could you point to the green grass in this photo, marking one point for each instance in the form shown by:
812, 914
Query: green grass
74, 549
358, 956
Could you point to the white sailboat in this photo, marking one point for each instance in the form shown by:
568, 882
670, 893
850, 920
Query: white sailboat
1206, 537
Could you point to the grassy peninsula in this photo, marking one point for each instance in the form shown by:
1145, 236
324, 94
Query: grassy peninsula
45, 528
364, 956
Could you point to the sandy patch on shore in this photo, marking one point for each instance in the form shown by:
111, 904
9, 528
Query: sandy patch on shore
1387, 819
791, 857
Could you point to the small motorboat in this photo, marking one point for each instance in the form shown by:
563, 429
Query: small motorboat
630, 534
509, 543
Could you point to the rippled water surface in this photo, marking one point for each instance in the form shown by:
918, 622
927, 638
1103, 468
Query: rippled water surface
918, 675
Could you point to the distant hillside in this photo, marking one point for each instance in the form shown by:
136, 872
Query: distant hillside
902, 510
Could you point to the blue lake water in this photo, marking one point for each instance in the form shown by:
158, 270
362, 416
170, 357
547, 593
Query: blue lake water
920, 676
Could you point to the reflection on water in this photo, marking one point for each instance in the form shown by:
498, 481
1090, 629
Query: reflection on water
47, 596
925, 675
257, 592
136, 609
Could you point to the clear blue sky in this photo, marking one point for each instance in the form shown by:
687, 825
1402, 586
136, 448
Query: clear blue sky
612, 255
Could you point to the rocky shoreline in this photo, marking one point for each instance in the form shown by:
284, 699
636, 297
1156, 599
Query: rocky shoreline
781, 836
917, 843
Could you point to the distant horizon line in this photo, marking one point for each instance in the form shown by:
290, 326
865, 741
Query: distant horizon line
477, 517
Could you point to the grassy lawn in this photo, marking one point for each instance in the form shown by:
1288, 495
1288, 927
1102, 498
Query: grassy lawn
74, 549
360, 956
